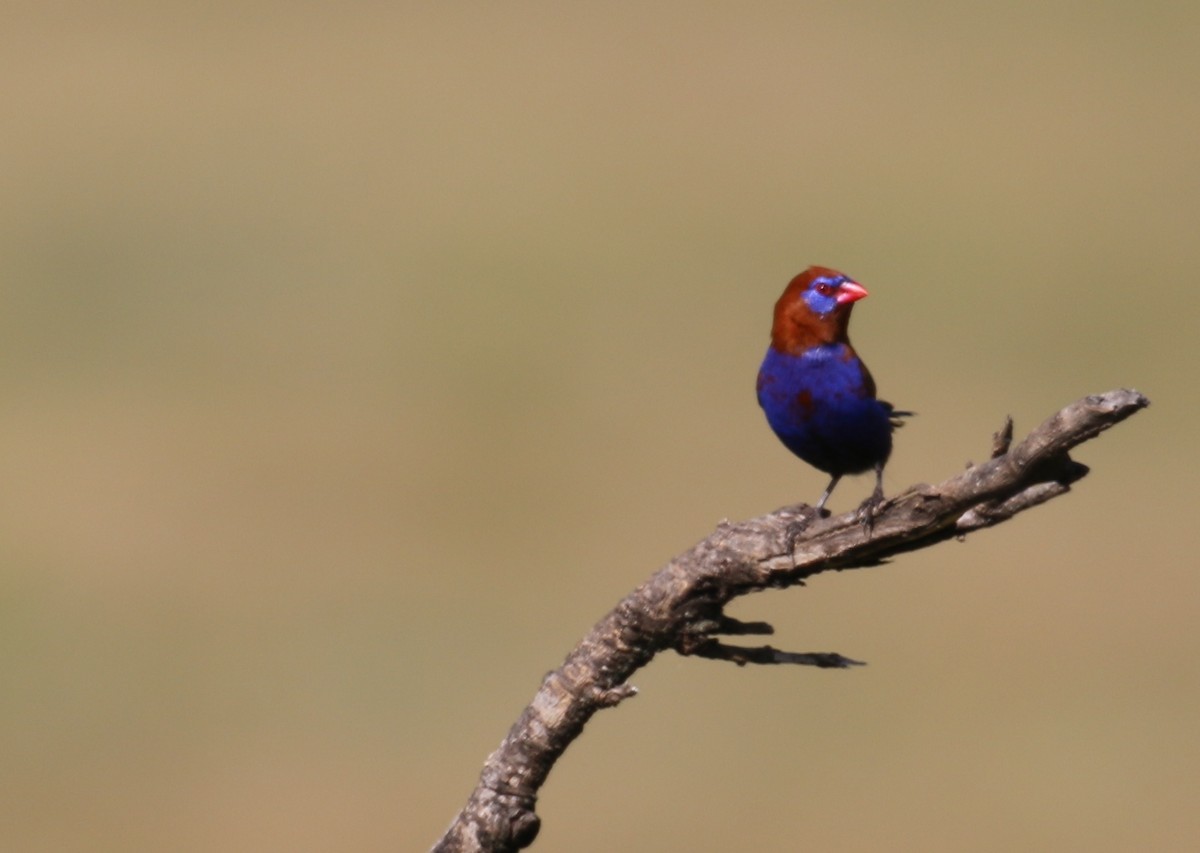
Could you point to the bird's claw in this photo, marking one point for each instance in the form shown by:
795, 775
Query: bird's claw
868, 510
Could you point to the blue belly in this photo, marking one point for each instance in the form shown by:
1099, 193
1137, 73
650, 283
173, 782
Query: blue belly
821, 406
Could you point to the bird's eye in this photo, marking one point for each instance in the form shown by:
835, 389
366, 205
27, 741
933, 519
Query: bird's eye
824, 288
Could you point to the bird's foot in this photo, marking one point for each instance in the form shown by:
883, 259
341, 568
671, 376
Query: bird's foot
798, 523
869, 509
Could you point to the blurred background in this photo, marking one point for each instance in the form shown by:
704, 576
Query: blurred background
356, 358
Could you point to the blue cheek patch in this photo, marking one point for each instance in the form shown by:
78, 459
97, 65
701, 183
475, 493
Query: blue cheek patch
819, 304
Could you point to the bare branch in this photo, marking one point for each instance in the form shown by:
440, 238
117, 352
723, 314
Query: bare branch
681, 607
1002, 440
708, 647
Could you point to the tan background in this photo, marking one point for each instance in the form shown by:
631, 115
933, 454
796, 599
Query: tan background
357, 357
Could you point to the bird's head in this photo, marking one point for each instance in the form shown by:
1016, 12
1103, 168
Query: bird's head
814, 309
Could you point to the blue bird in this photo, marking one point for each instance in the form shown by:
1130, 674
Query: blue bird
818, 396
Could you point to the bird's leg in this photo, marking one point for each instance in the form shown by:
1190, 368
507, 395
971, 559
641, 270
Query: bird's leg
866, 512
828, 492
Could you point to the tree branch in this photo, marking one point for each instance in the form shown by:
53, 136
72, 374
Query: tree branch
681, 607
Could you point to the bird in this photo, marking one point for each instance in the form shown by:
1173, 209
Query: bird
817, 394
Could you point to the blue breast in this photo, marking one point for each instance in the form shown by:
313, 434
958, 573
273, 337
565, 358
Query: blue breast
822, 407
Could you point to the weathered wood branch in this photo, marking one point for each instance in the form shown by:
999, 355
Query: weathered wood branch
681, 607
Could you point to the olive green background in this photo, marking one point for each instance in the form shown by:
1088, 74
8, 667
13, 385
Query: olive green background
356, 358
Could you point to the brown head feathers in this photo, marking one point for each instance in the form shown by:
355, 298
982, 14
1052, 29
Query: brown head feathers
814, 309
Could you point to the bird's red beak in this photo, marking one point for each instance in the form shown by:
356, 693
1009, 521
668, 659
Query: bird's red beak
850, 291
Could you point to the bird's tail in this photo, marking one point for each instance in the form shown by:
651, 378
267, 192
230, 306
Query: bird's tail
897, 417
